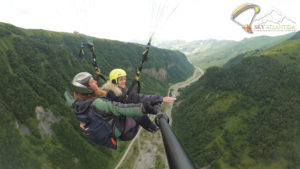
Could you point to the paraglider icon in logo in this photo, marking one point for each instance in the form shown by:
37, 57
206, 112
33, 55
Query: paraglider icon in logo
241, 9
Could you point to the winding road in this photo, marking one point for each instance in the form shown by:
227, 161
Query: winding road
149, 149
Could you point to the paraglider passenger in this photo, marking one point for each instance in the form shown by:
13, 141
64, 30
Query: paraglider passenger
102, 120
117, 84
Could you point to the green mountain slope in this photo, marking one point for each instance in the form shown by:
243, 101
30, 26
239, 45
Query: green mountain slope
212, 52
296, 36
247, 115
37, 129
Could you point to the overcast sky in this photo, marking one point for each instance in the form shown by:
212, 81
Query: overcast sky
127, 20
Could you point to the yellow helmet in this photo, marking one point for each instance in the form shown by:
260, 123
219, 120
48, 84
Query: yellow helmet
115, 74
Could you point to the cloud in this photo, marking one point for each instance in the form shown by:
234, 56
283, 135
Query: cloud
130, 19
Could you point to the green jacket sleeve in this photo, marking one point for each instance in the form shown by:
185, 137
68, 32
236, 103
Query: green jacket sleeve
69, 98
117, 108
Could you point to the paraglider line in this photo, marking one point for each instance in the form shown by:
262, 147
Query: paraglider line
238, 23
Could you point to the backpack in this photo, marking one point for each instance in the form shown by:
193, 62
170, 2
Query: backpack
97, 129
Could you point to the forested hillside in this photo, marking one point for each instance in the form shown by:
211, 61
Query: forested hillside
211, 52
37, 129
247, 115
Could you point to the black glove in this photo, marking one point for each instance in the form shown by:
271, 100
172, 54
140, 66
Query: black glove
156, 102
148, 108
161, 115
111, 95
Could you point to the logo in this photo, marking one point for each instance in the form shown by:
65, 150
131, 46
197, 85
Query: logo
242, 9
275, 21
248, 16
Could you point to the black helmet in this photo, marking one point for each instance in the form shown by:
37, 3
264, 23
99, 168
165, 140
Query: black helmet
80, 83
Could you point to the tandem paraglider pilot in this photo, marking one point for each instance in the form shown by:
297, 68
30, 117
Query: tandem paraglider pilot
101, 120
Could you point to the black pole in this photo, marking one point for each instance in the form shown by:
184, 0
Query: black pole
177, 157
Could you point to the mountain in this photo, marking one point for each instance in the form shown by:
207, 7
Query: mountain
37, 129
207, 53
296, 36
254, 52
246, 115
197, 47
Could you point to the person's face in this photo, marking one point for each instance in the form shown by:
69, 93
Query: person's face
92, 83
122, 81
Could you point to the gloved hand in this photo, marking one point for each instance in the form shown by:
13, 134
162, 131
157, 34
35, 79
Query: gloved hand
148, 108
161, 115
156, 102
111, 95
